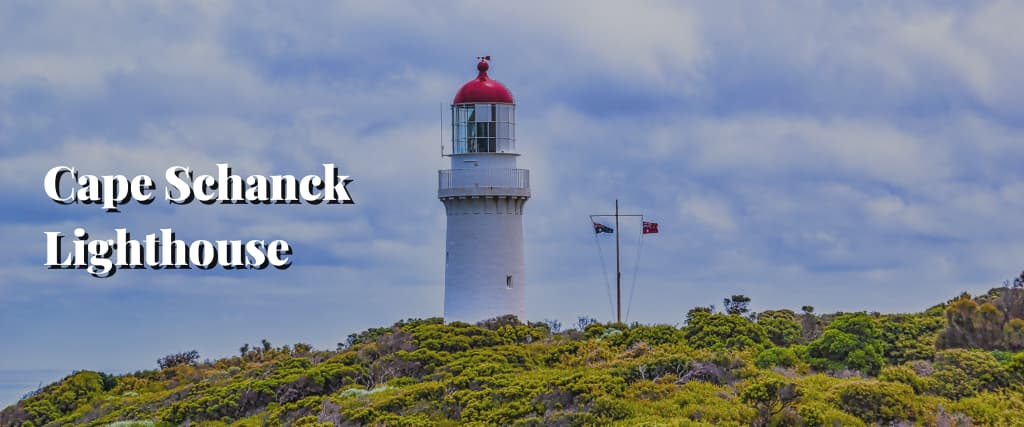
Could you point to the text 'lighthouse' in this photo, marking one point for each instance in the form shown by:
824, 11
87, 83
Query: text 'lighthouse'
483, 195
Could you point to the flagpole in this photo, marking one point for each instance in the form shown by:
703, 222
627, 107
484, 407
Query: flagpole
618, 272
601, 228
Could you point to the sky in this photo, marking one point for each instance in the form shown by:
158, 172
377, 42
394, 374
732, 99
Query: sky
845, 155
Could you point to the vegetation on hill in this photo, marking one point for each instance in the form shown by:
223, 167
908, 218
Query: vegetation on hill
958, 363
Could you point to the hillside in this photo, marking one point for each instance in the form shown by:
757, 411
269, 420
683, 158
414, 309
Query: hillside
957, 363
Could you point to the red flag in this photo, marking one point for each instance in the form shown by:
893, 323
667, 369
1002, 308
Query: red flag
650, 227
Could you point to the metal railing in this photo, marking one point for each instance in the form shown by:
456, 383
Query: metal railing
483, 177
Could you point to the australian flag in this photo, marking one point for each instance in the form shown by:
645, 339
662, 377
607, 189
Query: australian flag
601, 228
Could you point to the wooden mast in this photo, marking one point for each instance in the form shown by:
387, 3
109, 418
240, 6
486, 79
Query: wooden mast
618, 272
618, 261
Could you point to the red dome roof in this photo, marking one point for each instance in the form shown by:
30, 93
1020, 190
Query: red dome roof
483, 89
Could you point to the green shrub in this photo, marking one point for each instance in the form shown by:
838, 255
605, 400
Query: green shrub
877, 401
769, 395
782, 326
812, 416
960, 373
721, 332
718, 370
654, 335
1015, 368
909, 337
608, 409
777, 356
819, 414
903, 374
993, 408
849, 342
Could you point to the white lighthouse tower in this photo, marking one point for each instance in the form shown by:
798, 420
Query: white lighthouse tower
483, 195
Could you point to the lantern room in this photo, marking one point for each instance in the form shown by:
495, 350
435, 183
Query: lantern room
483, 116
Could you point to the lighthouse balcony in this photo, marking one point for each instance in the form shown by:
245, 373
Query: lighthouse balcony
483, 182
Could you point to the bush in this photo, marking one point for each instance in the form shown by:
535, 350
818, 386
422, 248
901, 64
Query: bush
777, 356
903, 374
769, 395
607, 409
782, 326
960, 373
107, 381
177, 359
724, 332
1015, 368
909, 337
653, 335
499, 373
817, 414
654, 367
849, 342
877, 401
992, 321
58, 400
993, 408
813, 416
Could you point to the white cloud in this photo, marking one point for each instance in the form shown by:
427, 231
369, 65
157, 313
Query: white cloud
709, 211
832, 152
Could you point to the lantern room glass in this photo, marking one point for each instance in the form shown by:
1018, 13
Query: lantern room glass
483, 128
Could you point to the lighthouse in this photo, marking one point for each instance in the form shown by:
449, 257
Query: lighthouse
483, 194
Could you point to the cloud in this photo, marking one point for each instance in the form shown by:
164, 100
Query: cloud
708, 211
848, 156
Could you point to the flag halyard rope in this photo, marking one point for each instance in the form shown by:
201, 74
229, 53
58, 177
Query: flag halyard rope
636, 268
607, 284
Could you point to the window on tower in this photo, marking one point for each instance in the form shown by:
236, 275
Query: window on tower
483, 128
508, 282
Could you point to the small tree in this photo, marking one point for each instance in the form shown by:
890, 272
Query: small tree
810, 327
553, 325
109, 381
497, 322
782, 326
736, 304
172, 360
697, 311
583, 321
769, 395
